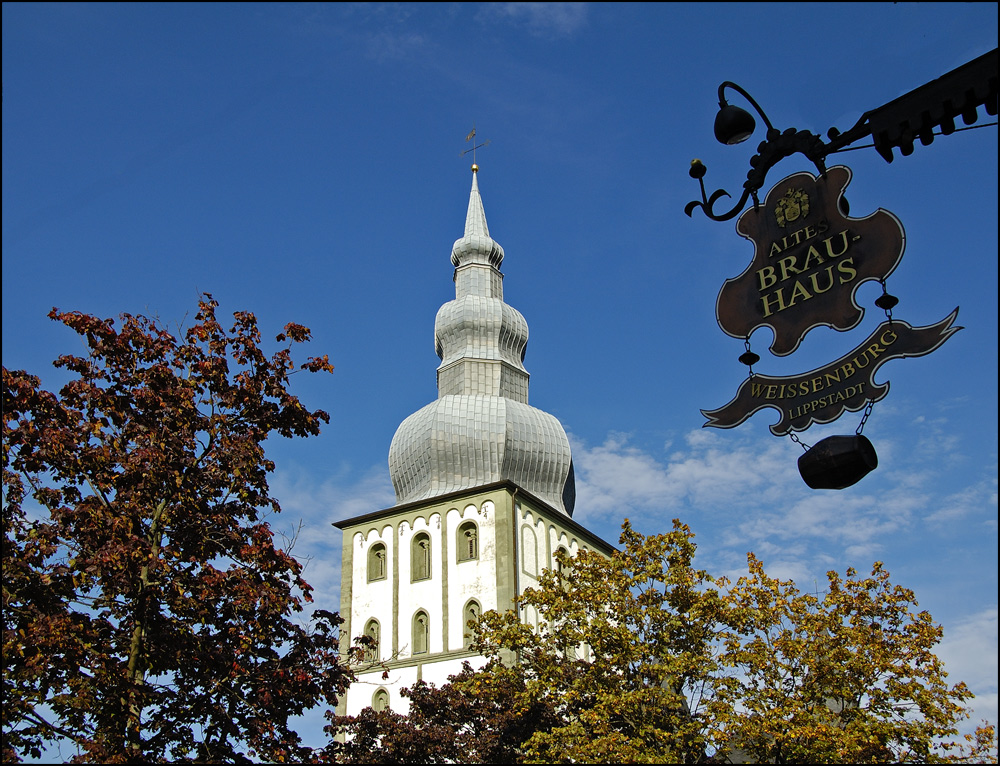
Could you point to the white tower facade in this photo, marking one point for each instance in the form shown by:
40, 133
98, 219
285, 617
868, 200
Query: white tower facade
484, 493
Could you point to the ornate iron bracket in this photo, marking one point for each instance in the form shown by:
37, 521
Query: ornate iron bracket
896, 124
734, 125
770, 152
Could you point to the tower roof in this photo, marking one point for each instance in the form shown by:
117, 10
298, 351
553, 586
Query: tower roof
475, 218
481, 429
476, 245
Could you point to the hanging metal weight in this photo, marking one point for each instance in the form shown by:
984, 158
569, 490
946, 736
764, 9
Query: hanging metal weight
837, 462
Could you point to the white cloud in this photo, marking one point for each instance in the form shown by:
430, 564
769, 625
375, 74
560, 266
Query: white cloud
556, 19
969, 651
616, 479
316, 504
969, 502
741, 494
738, 493
390, 45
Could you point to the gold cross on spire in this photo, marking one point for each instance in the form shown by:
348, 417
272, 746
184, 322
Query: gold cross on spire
472, 137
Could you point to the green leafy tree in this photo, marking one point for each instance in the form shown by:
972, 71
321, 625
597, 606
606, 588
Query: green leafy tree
847, 678
641, 658
622, 652
616, 670
147, 613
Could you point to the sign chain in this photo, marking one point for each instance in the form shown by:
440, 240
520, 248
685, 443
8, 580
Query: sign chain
748, 357
886, 302
864, 417
795, 438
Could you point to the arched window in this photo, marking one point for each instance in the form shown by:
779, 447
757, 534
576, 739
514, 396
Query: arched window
468, 541
561, 568
376, 562
420, 557
373, 631
559, 565
470, 614
421, 632
380, 700
529, 551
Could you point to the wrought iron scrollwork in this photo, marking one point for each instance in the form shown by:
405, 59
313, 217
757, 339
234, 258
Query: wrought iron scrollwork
770, 152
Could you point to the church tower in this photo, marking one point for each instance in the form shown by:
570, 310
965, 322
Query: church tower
484, 493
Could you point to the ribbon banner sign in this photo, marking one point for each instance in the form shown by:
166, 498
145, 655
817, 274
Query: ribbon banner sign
823, 395
809, 260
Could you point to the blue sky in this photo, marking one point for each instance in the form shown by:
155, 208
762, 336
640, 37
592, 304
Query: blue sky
302, 161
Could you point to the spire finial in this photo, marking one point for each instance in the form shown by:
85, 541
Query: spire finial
471, 137
476, 246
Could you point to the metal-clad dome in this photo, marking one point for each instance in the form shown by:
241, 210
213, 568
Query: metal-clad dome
481, 428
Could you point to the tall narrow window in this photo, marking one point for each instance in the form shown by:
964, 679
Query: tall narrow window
468, 541
562, 568
420, 557
374, 633
472, 612
380, 700
529, 551
421, 632
559, 565
376, 562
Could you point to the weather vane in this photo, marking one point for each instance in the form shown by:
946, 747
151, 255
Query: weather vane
471, 137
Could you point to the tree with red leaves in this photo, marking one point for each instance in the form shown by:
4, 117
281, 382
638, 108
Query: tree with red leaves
147, 612
482, 716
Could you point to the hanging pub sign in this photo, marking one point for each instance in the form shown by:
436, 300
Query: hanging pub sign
809, 259
824, 394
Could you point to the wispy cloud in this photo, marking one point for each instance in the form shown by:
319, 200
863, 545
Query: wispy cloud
381, 32
740, 494
310, 506
968, 503
388, 45
969, 651
617, 479
543, 19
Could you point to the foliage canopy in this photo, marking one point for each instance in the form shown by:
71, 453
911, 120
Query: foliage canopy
149, 616
147, 612
640, 657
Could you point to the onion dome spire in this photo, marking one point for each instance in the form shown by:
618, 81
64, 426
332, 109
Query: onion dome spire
476, 246
481, 429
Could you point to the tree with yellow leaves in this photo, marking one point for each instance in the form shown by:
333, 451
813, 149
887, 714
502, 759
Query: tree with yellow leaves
622, 653
642, 658
847, 678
